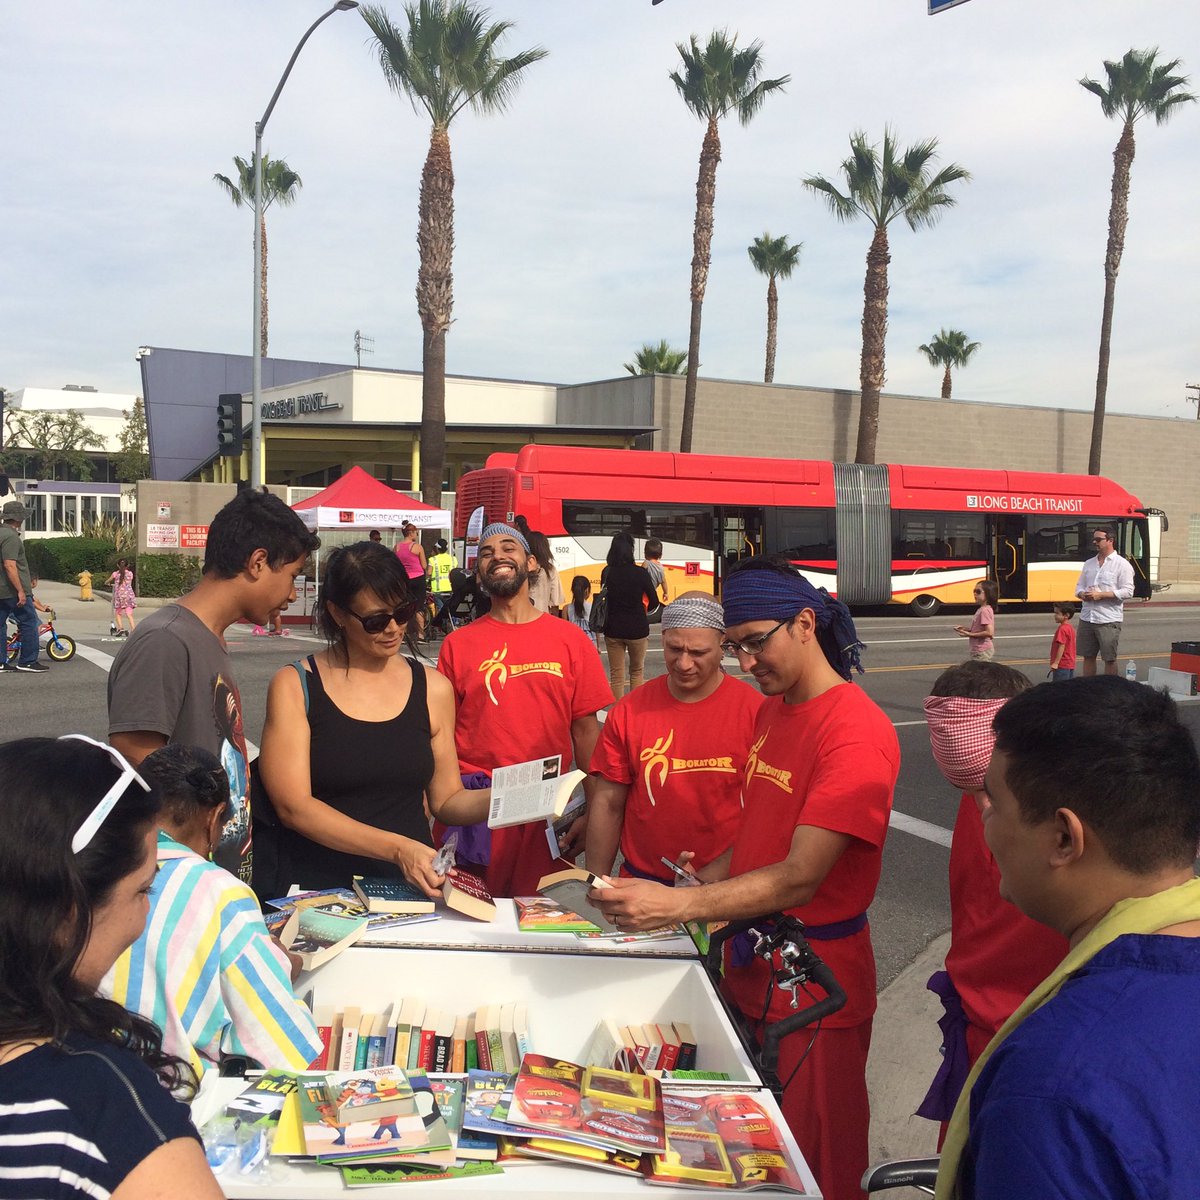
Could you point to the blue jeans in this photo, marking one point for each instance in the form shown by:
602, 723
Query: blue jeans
25, 616
1057, 674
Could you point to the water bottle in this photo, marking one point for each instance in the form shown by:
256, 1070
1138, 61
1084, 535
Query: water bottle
1131, 671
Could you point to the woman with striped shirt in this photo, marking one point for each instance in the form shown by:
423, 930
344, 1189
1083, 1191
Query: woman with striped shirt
85, 1105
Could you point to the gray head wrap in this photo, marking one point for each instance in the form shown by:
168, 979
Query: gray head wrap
694, 612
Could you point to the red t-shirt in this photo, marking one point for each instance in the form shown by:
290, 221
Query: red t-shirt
831, 763
997, 954
1065, 633
518, 689
683, 764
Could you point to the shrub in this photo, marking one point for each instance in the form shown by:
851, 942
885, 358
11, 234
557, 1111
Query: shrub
62, 558
167, 575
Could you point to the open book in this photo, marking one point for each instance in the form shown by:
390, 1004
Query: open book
531, 791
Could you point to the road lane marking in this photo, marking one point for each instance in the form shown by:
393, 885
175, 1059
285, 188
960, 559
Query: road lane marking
922, 829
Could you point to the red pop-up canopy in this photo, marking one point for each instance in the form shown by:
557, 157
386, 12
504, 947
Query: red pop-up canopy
359, 501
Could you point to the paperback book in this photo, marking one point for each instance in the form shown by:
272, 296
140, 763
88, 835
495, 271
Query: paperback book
320, 936
531, 791
543, 914
329, 1140
263, 1101
394, 896
569, 888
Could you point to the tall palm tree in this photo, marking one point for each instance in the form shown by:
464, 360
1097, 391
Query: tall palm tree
662, 359
775, 258
280, 183
881, 187
716, 79
444, 61
1138, 86
949, 348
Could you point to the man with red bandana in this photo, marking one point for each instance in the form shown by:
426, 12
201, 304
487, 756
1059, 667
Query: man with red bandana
528, 685
668, 766
818, 795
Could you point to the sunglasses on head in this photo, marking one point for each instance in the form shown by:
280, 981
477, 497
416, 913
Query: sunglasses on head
378, 622
106, 803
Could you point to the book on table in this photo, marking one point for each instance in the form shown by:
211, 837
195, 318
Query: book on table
328, 1140
344, 902
467, 893
321, 936
371, 1093
263, 1101
569, 887
543, 914
396, 896
537, 790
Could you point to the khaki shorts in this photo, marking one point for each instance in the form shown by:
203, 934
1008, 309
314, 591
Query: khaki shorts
1094, 639
984, 655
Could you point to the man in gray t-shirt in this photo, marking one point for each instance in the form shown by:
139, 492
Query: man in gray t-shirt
16, 590
173, 680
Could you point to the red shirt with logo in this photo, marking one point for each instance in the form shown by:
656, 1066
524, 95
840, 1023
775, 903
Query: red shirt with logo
831, 763
518, 689
683, 764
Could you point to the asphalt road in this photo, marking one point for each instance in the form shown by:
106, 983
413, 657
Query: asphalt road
903, 658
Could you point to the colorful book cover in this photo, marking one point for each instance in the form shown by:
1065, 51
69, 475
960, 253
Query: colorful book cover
371, 1093
615, 1109
263, 1100
390, 895
620, 1161
342, 902
485, 1091
353, 1177
542, 914
328, 1140
321, 935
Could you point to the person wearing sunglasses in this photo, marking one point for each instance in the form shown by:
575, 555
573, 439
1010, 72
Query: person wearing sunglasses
356, 739
85, 1087
817, 796
1105, 583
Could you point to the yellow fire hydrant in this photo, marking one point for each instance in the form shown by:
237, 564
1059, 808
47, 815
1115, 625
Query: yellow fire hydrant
85, 585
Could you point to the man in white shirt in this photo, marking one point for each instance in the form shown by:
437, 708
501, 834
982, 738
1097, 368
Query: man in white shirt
1105, 583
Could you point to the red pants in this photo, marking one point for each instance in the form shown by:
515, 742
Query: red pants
826, 1105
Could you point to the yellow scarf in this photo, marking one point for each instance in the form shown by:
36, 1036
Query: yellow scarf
1142, 914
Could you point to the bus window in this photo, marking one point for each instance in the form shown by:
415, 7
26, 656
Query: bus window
682, 525
804, 534
1053, 539
939, 536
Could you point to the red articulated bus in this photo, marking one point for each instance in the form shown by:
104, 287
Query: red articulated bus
871, 534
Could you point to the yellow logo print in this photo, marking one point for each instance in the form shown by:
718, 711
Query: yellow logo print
495, 667
757, 769
655, 758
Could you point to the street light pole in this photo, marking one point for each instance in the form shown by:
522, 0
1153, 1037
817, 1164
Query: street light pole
256, 447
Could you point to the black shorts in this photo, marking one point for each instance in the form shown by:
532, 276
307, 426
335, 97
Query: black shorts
418, 588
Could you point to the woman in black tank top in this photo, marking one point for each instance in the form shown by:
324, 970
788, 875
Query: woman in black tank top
357, 740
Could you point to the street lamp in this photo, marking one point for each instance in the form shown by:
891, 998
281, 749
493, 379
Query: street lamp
259, 126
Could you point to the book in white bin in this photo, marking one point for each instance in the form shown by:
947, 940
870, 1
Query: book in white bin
531, 791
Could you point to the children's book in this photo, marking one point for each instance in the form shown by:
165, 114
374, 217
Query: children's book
531, 791
725, 1140
468, 894
390, 896
569, 888
485, 1089
329, 1140
466, 1144
321, 936
263, 1100
354, 1177
620, 1161
542, 914
371, 1093
342, 902
619, 1110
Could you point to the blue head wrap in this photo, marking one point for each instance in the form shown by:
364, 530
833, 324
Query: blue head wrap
500, 527
764, 594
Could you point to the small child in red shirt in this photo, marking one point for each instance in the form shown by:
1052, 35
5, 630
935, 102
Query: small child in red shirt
1062, 649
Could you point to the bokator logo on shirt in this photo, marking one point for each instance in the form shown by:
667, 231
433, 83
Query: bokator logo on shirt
758, 768
497, 671
659, 762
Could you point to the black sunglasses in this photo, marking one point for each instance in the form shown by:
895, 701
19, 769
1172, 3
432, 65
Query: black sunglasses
378, 622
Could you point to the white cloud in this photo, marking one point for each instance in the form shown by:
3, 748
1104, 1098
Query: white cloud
574, 210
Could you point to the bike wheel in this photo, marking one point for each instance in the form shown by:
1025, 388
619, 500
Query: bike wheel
61, 647
13, 649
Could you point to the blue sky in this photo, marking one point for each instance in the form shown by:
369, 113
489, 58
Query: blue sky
574, 210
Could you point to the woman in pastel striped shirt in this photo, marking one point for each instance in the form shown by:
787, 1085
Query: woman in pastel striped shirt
205, 970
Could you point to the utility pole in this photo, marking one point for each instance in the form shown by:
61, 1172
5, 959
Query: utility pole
1194, 387
362, 345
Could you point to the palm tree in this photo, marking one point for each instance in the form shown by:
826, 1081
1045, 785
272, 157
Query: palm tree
774, 258
949, 348
882, 187
443, 62
280, 183
716, 80
662, 359
1137, 87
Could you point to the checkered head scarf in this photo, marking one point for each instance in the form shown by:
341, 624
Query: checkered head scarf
500, 527
961, 737
694, 612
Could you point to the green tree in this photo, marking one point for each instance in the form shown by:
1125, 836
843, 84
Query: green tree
39, 443
881, 187
949, 348
446, 60
132, 461
1138, 86
715, 80
280, 185
662, 359
775, 258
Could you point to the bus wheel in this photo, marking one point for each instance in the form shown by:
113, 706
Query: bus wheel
924, 606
